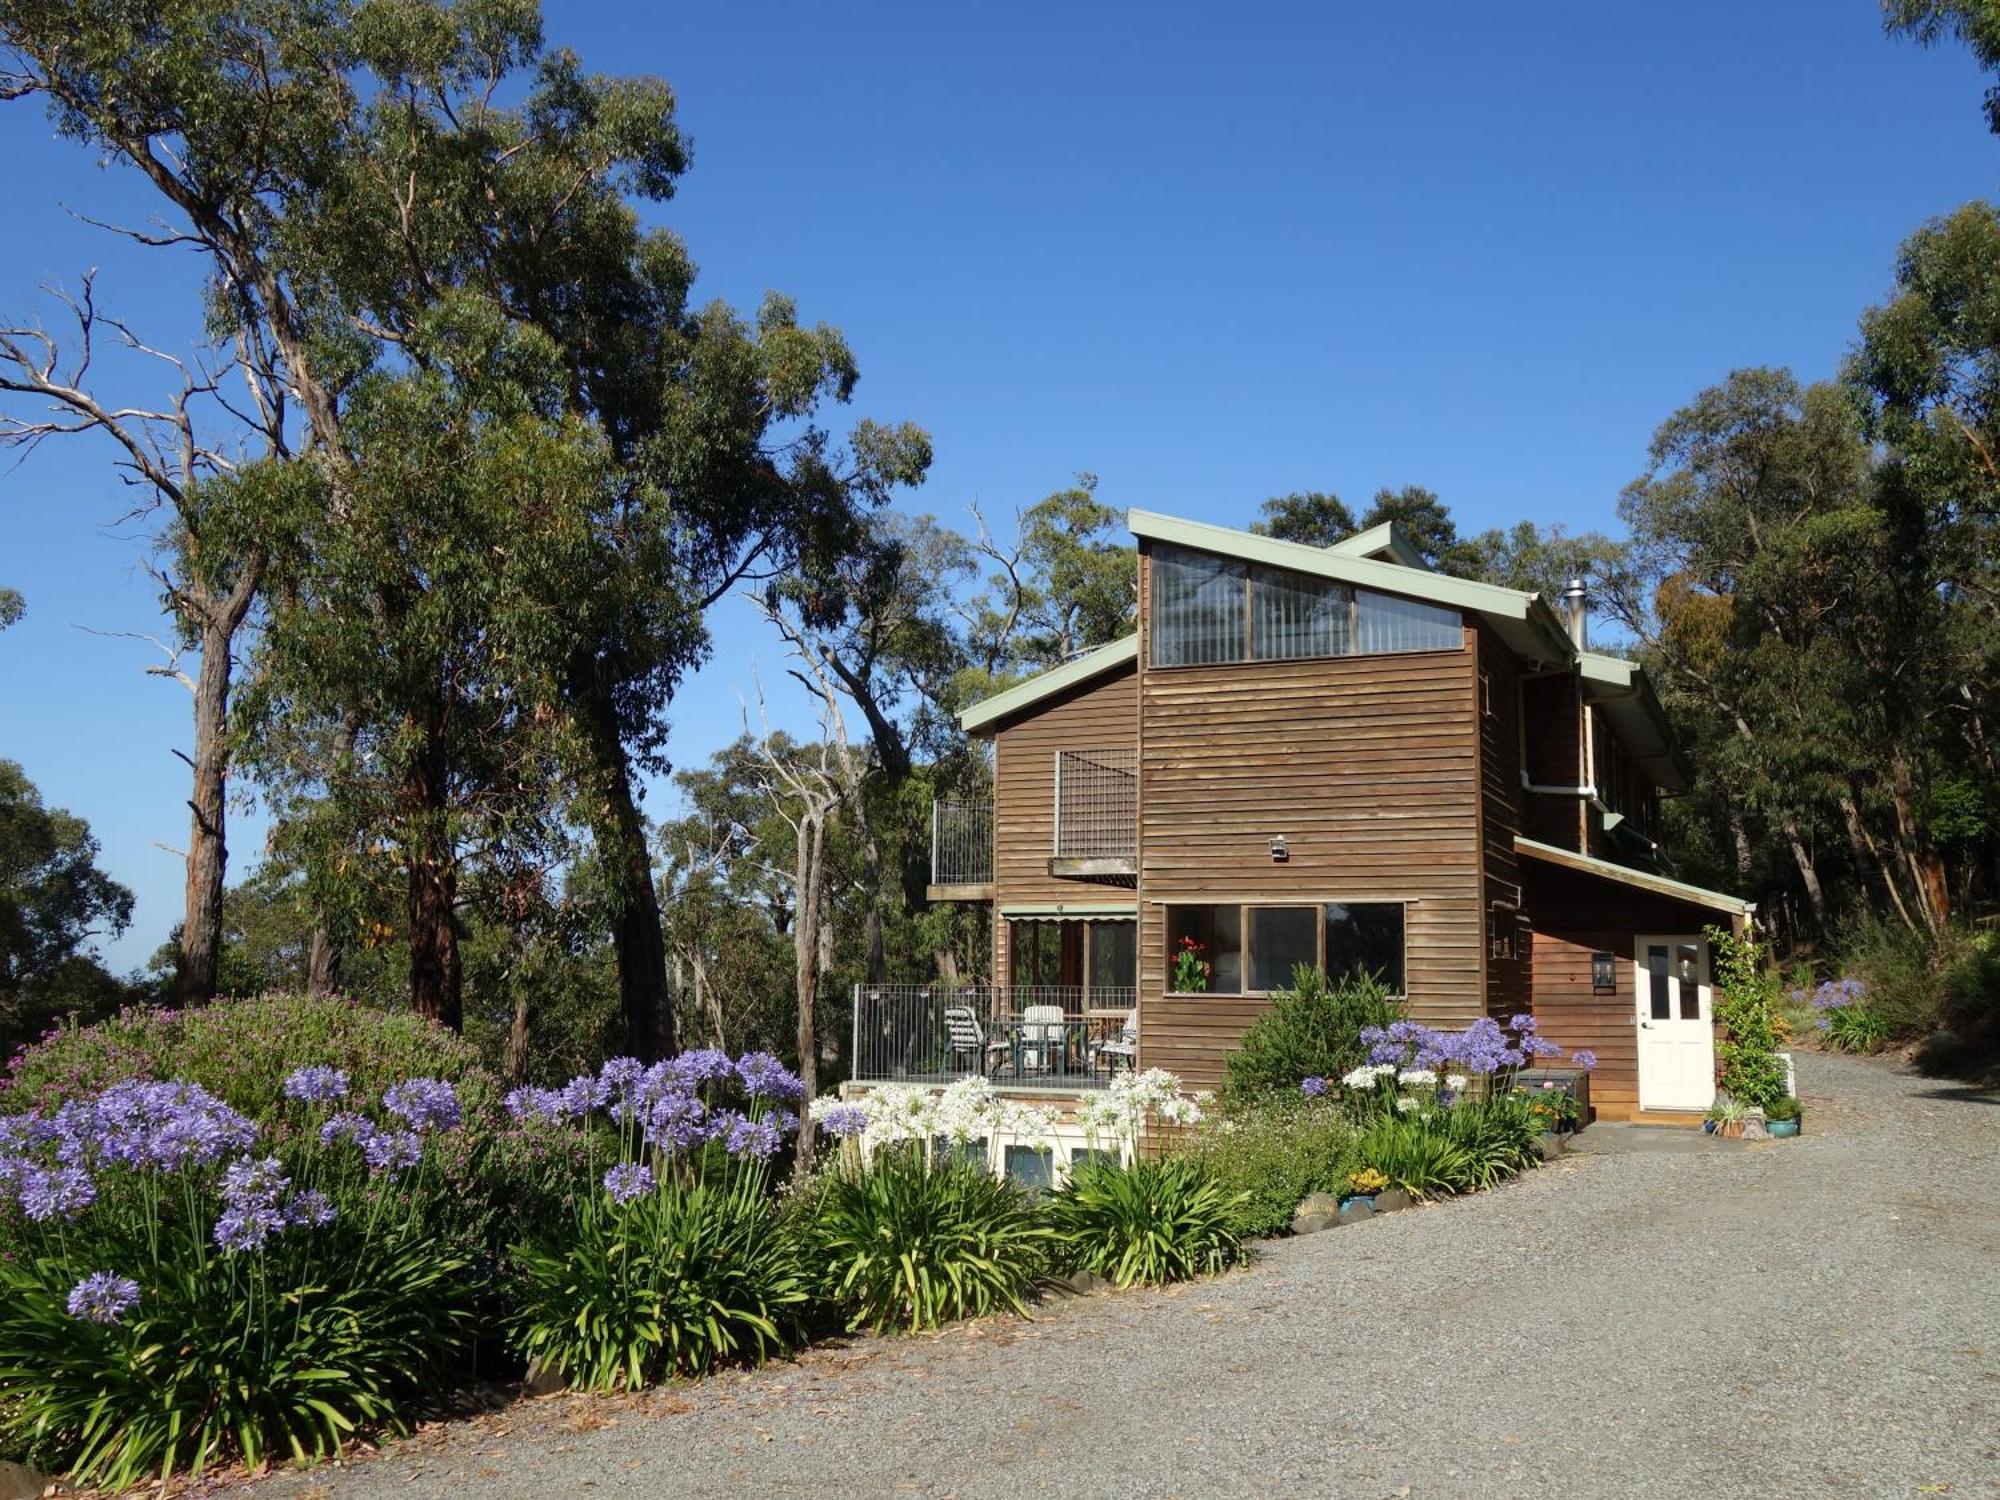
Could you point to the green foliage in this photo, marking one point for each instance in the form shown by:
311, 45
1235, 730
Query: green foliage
1746, 998
1312, 1030
1784, 1107
1270, 1155
899, 1243
679, 1281
1496, 1134
1311, 517
241, 1051
1417, 1157
53, 901
1966, 1041
1149, 1223
1856, 1028
282, 1354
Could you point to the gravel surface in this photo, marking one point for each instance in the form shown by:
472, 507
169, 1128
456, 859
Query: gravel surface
1818, 1316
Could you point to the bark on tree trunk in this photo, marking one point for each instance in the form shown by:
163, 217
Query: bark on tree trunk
208, 844
811, 873
517, 1038
324, 954
434, 966
637, 934
221, 616
1808, 876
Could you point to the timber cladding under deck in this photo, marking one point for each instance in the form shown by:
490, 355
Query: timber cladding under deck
1099, 715
1368, 766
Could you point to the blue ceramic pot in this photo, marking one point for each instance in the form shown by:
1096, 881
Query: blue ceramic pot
1367, 1198
1782, 1128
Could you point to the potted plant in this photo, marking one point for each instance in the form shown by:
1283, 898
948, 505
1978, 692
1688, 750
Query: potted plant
1363, 1186
1726, 1115
1191, 970
1782, 1118
1554, 1108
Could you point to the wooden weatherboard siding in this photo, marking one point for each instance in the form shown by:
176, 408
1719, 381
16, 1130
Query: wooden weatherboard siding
1101, 714
1574, 916
1500, 814
1552, 715
1370, 768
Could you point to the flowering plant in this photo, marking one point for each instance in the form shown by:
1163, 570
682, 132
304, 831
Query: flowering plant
672, 1259
182, 1283
1367, 1182
1192, 972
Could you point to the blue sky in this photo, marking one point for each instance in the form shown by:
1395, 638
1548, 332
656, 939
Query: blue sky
1209, 253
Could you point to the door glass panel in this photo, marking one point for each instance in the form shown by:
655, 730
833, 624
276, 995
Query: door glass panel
1656, 966
1114, 955
1690, 982
1281, 938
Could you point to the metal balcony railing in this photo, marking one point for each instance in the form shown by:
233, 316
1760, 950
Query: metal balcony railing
961, 843
1097, 804
1028, 1036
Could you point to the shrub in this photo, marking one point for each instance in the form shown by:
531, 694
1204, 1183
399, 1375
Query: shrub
180, 1285
1151, 1222
674, 1260
1269, 1157
1746, 994
1417, 1157
900, 1242
1312, 1030
1966, 1042
1785, 1108
679, 1280
1497, 1135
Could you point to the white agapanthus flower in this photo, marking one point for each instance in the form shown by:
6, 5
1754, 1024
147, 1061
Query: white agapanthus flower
1406, 1104
1361, 1078
1456, 1082
1416, 1077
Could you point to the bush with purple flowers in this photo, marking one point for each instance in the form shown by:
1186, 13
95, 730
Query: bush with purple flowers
674, 1259
179, 1283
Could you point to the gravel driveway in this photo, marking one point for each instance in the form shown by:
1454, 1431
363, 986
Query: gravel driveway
1809, 1317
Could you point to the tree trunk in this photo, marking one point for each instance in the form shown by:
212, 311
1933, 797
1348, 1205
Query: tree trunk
325, 951
637, 934
434, 967
208, 843
809, 858
517, 1037
1808, 876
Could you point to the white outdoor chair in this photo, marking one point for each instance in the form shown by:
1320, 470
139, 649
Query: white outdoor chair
1044, 1029
964, 1037
1123, 1047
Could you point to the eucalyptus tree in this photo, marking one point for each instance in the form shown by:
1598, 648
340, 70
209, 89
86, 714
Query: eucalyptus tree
346, 166
1318, 518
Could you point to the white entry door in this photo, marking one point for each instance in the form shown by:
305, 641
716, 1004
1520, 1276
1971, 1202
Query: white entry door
1676, 1023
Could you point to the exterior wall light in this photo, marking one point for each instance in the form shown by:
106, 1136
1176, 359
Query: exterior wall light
1603, 971
1280, 853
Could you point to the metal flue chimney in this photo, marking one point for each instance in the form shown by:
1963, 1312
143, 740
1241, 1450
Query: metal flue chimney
1576, 612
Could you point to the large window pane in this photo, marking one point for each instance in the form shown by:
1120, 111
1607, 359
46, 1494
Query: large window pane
1281, 938
1114, 955
1199, 610
1037, 952
1292, 615
1366, 938
1213, 935
1384, 622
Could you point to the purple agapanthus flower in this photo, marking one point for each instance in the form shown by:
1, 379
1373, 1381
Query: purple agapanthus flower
622, 1074
535, 1104
392, 1150
423, 1103
764, 1077
1313, 1088
346, 1126
584, 1095
312, 1208
628, 1180
677, 1122
1584, 1058
754, 1138
843, 1121
318, 1084
103, 1297
703, 1065
56, 1193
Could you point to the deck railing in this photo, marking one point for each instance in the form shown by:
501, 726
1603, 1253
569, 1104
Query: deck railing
961, 843
1028, 1036
1097, 804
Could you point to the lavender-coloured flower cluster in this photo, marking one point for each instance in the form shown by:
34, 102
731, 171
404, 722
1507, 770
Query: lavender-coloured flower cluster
49, 1158
103, 1297
1484, 1047
1830, 996
680, 1105
316, 1085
